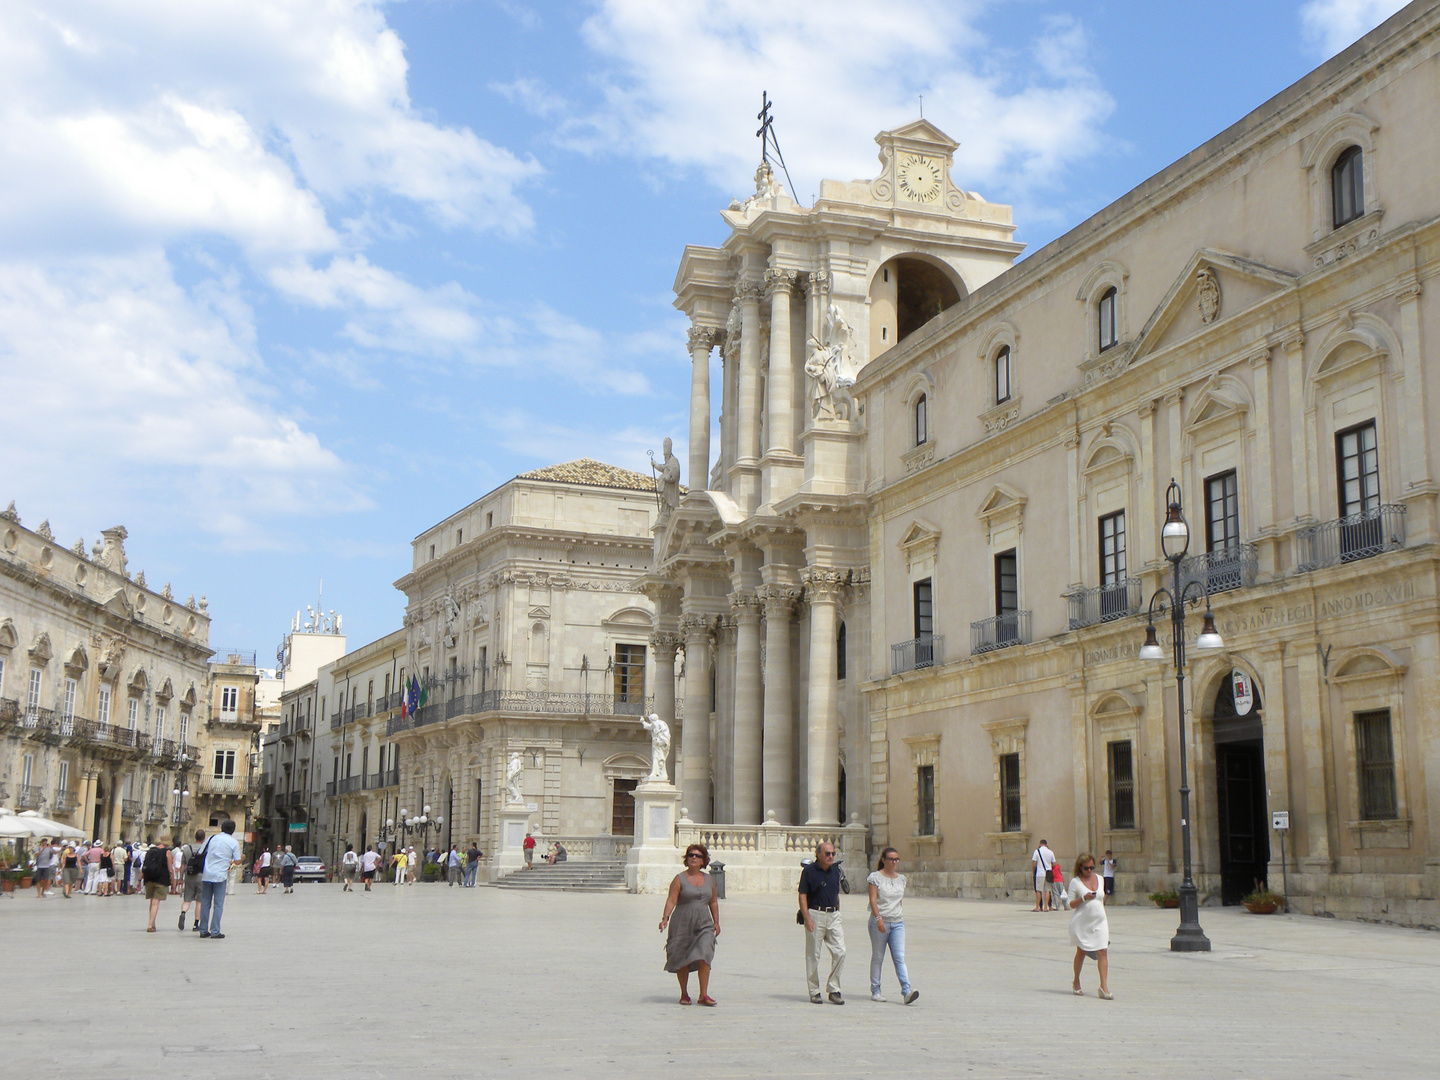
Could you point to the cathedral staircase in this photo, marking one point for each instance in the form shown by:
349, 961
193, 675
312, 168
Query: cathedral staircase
593, 876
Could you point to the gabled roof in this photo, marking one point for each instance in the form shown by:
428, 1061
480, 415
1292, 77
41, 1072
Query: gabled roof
593, 473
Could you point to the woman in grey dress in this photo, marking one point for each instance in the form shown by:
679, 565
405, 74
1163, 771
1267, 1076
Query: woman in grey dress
692, 913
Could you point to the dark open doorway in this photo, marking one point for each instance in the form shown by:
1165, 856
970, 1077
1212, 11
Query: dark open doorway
1242, 827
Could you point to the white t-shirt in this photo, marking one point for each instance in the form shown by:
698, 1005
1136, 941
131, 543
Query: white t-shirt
888, 894
264, 859
1107, 868
349, 859
369, 861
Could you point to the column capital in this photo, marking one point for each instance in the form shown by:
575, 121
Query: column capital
746, 605
696, 628
779, 600
817, 283
779, 280
747, 291
706, 337
664, 643
823, 583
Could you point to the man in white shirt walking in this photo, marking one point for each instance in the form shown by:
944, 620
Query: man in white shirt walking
1043, 862
221, 853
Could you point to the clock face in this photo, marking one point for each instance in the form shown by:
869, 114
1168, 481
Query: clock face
919, 178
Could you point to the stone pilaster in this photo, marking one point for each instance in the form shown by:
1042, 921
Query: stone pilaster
779, 758
748, 706
702, 339
780, 384
822, 589
695, 735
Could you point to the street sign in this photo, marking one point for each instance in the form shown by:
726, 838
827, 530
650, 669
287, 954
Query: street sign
1244, 693
1280, 820
298, 826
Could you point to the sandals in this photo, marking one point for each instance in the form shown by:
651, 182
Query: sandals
684, 999
706, 999
1077, 991
1106, 994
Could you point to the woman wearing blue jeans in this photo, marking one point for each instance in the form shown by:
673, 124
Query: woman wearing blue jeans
887, 928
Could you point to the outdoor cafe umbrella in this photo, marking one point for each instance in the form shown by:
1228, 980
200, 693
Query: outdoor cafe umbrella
32, 824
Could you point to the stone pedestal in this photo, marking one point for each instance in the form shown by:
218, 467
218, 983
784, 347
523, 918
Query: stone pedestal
514, 820
654, 859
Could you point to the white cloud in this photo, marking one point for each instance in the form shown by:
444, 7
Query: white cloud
546, 442
1332, 25
155, 397
685, 80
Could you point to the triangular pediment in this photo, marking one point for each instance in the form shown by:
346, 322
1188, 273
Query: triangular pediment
919, 134
919, 534
1213, 286
1002, 498
119, 604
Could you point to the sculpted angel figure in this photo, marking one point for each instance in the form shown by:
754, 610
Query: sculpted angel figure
514, 769
659, 745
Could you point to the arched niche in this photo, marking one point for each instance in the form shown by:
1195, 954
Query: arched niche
906, 292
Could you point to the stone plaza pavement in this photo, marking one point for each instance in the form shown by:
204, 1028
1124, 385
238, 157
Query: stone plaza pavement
432, 981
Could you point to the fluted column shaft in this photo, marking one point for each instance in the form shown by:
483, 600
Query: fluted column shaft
695, 744
723, 746
747, 293
780, 384
822, 784
701, 340
779, 784
748, 705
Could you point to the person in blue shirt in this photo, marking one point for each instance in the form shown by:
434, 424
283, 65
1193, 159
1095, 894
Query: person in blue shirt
820, 910
221, 853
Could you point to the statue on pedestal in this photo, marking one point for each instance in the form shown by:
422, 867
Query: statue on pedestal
830, 368
667, 481
514, 769
659, 746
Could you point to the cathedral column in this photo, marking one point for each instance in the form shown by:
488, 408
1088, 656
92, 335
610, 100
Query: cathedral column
695, 735
701, 340
664, 646
723, 747
747, 294
779, 786
822, 587
117, 805
779, 386
747, 790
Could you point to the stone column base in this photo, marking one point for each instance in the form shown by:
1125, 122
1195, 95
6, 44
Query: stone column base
654, 859
514, 820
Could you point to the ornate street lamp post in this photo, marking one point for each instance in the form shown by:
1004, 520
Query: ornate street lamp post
1174, 543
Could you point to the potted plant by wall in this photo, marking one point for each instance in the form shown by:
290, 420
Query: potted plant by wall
1263, 902
1166, 898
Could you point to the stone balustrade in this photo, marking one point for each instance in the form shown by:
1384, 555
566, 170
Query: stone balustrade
767, 857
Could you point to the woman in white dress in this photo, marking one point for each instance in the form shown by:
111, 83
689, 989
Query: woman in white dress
1089, 928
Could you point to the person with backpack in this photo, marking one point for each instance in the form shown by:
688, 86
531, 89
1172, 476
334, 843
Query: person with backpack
156, 874
221, 853
1043, 862
194, 856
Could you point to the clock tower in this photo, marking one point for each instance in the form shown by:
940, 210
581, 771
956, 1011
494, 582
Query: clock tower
915, 170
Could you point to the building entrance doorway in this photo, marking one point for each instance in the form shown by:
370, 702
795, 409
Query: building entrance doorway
1242, 824
622, 813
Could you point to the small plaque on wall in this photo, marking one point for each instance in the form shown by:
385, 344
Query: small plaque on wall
659, 823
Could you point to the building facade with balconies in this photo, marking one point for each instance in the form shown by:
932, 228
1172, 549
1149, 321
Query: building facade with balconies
1256, 321
226, 781
102, 686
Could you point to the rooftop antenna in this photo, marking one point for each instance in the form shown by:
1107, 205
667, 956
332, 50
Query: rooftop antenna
766, 135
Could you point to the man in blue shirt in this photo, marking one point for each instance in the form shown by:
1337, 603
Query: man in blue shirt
820, 908
221, 853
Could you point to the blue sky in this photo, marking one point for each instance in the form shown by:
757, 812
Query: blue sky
282, 283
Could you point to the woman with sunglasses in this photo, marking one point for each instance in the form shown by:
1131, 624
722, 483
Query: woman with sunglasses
1089, 928
696, 923
887, 929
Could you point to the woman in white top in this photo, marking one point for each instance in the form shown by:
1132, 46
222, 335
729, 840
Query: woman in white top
887, 890
1089, 928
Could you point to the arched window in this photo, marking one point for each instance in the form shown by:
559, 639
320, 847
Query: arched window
840, 652
1002, 375
922, 422
1347, 186
1106, 311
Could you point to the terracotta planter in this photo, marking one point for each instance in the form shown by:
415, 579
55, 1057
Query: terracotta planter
7, 884
1258, 907
1168, 903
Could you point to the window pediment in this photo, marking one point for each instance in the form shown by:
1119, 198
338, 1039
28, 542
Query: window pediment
1002, 508
40, 648
8, 637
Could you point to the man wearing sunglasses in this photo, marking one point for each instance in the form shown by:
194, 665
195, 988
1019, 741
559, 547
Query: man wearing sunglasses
820, 908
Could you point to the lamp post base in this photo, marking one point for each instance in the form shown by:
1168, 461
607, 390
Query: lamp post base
1188, 935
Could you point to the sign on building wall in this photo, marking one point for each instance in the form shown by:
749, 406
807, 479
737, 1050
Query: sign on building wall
1244, 693
298, 826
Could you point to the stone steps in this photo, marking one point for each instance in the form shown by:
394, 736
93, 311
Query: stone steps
600, 876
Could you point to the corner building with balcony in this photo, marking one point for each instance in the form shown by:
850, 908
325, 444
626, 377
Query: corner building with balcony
919, 598
103, 685
525, 624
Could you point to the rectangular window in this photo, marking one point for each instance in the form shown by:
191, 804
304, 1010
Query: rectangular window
67, 710
1222, 512
922, 422
229, 699
1002, 375
1007, 584
1106, 312
184, 728
629, 672
1112, 548
1122, 785
63, 784
924, 609
1375, 759
154, 791
103, 713
224, 764
1357, 462
160, 721
1009, 792
27, 770
32, 701
482, 671
925, 816
132, 713
479, 805
349, 761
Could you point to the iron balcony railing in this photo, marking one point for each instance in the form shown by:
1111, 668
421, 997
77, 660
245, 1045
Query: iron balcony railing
927, 650
155, 812
9, 711
336, 721
227, 785
1347, 539
526, 701
180, 815
350, 785
362, 710
65, 801
1227, 568
129, 809
387, 778
1104, 603
999, 632
30, 797
332, 789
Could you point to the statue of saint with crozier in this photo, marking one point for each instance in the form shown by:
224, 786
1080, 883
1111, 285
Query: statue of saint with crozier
514, 769
659, 746
831, 369
668, 480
